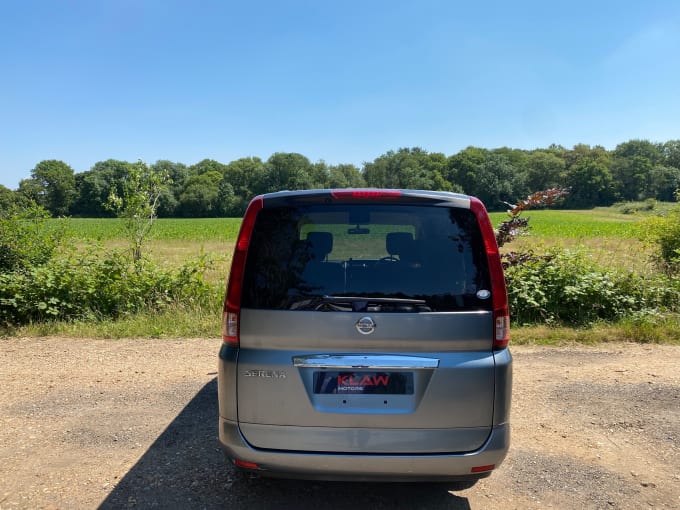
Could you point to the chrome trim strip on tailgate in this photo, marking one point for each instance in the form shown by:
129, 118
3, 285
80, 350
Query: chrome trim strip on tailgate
382, 362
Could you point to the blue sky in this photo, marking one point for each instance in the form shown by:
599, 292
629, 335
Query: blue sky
343, 81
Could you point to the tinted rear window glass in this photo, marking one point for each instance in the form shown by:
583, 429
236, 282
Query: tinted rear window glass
300, 254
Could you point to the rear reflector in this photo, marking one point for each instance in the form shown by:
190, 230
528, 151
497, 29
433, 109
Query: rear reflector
364, 194
245, 464
481, 469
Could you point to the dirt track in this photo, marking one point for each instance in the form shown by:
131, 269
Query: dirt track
132, 423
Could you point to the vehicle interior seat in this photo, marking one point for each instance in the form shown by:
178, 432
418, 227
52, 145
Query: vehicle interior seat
320, 275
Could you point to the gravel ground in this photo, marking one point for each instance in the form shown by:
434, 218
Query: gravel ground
133, 424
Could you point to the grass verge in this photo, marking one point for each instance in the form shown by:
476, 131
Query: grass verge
174, 322
646, 330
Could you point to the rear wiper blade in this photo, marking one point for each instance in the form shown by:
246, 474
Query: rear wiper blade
318, 303
379, 304
358, 304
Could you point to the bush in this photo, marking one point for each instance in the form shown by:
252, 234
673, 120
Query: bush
664, 232
93, 287
648, 205
25, 240
566, 287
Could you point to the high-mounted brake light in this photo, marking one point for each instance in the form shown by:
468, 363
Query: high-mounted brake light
499, 294
365, 194
232, 299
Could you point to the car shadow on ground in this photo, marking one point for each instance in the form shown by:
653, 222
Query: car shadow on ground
185, 468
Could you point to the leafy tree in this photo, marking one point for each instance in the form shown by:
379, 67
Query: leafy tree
138, 203
498, 181
590, 183
633, 177
11, 200
671, 153
582, 151
96, 185
639, 148
52, 185
664, 180
177, 172
31, 190
632, 166
544, 170
207, 165
168, 204
288, 170
463, 167
487, 175
320, 175
345, 176
242, 180
412, 168
200, 195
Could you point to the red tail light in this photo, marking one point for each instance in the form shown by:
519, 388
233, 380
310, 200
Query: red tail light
232, 300
499, 295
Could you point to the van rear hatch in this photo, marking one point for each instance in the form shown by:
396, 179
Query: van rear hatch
366, 324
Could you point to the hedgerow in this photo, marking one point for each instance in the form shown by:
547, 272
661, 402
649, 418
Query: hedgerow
24, 240
664, 232
40, 280
92, 286
566, 287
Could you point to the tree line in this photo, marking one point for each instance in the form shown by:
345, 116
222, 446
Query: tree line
635, 170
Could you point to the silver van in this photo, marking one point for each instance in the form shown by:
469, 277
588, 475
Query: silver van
365, 337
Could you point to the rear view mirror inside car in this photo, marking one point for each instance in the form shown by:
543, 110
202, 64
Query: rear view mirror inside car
358, 230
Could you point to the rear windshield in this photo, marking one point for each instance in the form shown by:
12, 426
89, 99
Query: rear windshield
366, 257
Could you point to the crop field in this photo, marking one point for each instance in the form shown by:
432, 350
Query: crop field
165, 229
581, 225
610, 236
546, 224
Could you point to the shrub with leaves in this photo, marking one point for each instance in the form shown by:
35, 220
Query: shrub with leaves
664, 233
91, 286
25, 238
567, 287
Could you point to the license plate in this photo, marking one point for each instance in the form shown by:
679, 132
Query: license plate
363, 383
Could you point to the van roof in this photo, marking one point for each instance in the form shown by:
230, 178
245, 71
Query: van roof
372, 194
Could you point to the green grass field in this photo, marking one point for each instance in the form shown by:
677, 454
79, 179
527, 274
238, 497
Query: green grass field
165, 229
547, 224
610, 236
580, 225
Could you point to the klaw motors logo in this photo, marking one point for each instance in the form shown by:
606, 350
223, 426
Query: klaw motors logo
358, 382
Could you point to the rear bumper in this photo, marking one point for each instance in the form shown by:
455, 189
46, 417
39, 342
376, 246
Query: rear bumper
368, 467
